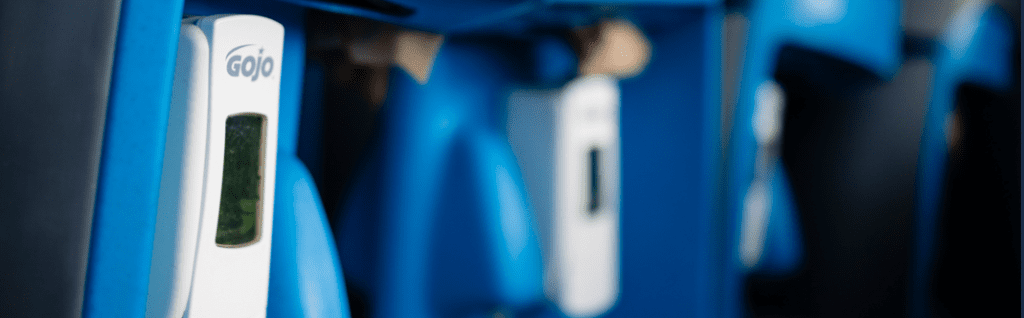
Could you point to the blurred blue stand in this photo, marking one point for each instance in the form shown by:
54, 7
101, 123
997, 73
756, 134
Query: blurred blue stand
439, 225
866, 33
670, 133
305, 277
975, 49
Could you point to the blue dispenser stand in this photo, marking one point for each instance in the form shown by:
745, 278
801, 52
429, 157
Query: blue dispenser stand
439, 225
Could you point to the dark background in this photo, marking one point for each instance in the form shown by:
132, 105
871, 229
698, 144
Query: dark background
851, 146
55, 64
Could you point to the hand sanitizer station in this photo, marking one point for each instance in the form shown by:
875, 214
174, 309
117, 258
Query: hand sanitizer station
203, 207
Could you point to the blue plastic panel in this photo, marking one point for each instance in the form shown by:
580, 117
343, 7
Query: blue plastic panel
439, 225
121, 246
670, 121
305, 274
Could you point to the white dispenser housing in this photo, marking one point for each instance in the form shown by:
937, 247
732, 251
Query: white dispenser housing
567, 143
211, 250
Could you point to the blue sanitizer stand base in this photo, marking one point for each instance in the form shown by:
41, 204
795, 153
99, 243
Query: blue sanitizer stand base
438, 224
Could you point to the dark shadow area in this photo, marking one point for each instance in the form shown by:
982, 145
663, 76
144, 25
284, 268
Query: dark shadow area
977, 270
849, 144
336, 133
56, 58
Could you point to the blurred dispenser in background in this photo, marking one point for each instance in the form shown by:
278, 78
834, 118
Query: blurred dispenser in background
437, 221
568, 146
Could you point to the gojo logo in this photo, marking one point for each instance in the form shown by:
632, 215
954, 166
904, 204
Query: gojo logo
249, 66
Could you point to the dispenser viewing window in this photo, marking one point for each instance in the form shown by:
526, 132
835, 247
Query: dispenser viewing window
242, 183
595, 182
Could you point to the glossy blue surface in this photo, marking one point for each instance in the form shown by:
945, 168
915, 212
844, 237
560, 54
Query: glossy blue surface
439, 225
976, 49
305, 274
124, 218
865, 33
671, 231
